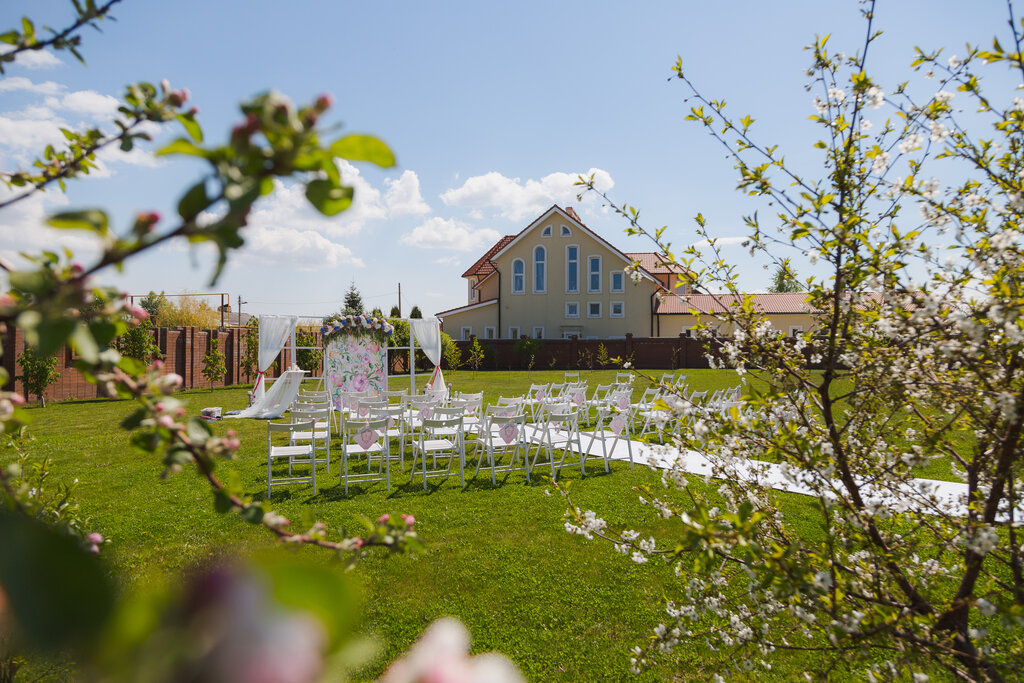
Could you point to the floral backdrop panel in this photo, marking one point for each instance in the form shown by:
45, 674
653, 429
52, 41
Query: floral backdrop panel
354, 363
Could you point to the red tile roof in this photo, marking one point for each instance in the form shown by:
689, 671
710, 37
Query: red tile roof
719, 303
654, 263
484, 265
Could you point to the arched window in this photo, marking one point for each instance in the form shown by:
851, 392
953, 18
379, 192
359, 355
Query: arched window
518, 276
540, 284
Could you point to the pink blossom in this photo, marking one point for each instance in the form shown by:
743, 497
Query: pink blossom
94, 538
360, 382
165, 421
409, 520
383, 519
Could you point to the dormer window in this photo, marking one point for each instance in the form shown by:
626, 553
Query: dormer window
546, 232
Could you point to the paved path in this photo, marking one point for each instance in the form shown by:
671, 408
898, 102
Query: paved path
930, 496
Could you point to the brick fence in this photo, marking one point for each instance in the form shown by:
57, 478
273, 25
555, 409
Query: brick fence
183, 349
667, 353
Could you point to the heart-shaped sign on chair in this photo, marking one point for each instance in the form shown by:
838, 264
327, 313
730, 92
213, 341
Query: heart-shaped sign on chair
623, 402
578, 398
508, 432
540, 394
426, 413
366, 438
364, 410
618, 423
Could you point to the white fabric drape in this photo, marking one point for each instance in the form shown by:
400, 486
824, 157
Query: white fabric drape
274, 333
428, 336
276, 401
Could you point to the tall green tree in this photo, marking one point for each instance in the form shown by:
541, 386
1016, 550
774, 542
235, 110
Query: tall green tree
353, 304
415, 312
38, 371
784, 280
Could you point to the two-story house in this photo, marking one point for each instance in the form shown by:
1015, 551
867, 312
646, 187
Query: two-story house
557, 278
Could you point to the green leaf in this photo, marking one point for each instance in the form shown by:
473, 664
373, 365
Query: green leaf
302, 586
84, 344
93, 220
183, 146
194, 201
363, 148
57, 593
134, 420
221, 502
10, 37
198, 430
191, 126
328, 198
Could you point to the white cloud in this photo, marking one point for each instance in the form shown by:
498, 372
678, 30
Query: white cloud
90, 103
284, 248
34, 59
448, 233
721, 242
22, 135
515, 199
448, 260
403, 195
14, 83
22, 228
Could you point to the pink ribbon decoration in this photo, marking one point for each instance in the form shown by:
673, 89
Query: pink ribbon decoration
618, 423
508, 432
366, 438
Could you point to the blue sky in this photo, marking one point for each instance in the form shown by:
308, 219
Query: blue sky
491, 108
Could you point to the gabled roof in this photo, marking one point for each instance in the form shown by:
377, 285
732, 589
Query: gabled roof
655, 263
484, 265
795, 302
569, 215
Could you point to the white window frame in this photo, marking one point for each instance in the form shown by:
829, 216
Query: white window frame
513, 331
544, 264
591, 273
576, 304
546, 232
522, 284
489, 332
570, 335
538, 333
568, 288
622, 281
590, 304
566, 232
466, 333
611, 309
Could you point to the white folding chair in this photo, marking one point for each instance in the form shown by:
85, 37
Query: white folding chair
611, 428
500, 436
319, 436
559, 429
441, 439
280, 446
365, 438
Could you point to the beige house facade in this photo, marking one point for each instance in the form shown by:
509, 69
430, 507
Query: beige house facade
558, 279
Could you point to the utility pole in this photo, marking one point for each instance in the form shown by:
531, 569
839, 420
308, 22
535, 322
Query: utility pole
399, 299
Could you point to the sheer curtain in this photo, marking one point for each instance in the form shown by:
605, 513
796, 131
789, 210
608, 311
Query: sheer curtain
428, 336
276, 401
274, 333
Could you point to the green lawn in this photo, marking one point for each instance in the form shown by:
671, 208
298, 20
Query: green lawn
561, 607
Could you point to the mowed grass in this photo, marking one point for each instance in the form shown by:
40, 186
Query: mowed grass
497, 557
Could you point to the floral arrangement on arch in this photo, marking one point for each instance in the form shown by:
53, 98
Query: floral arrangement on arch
338, 325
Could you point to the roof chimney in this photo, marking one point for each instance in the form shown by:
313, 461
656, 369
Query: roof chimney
572, 213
